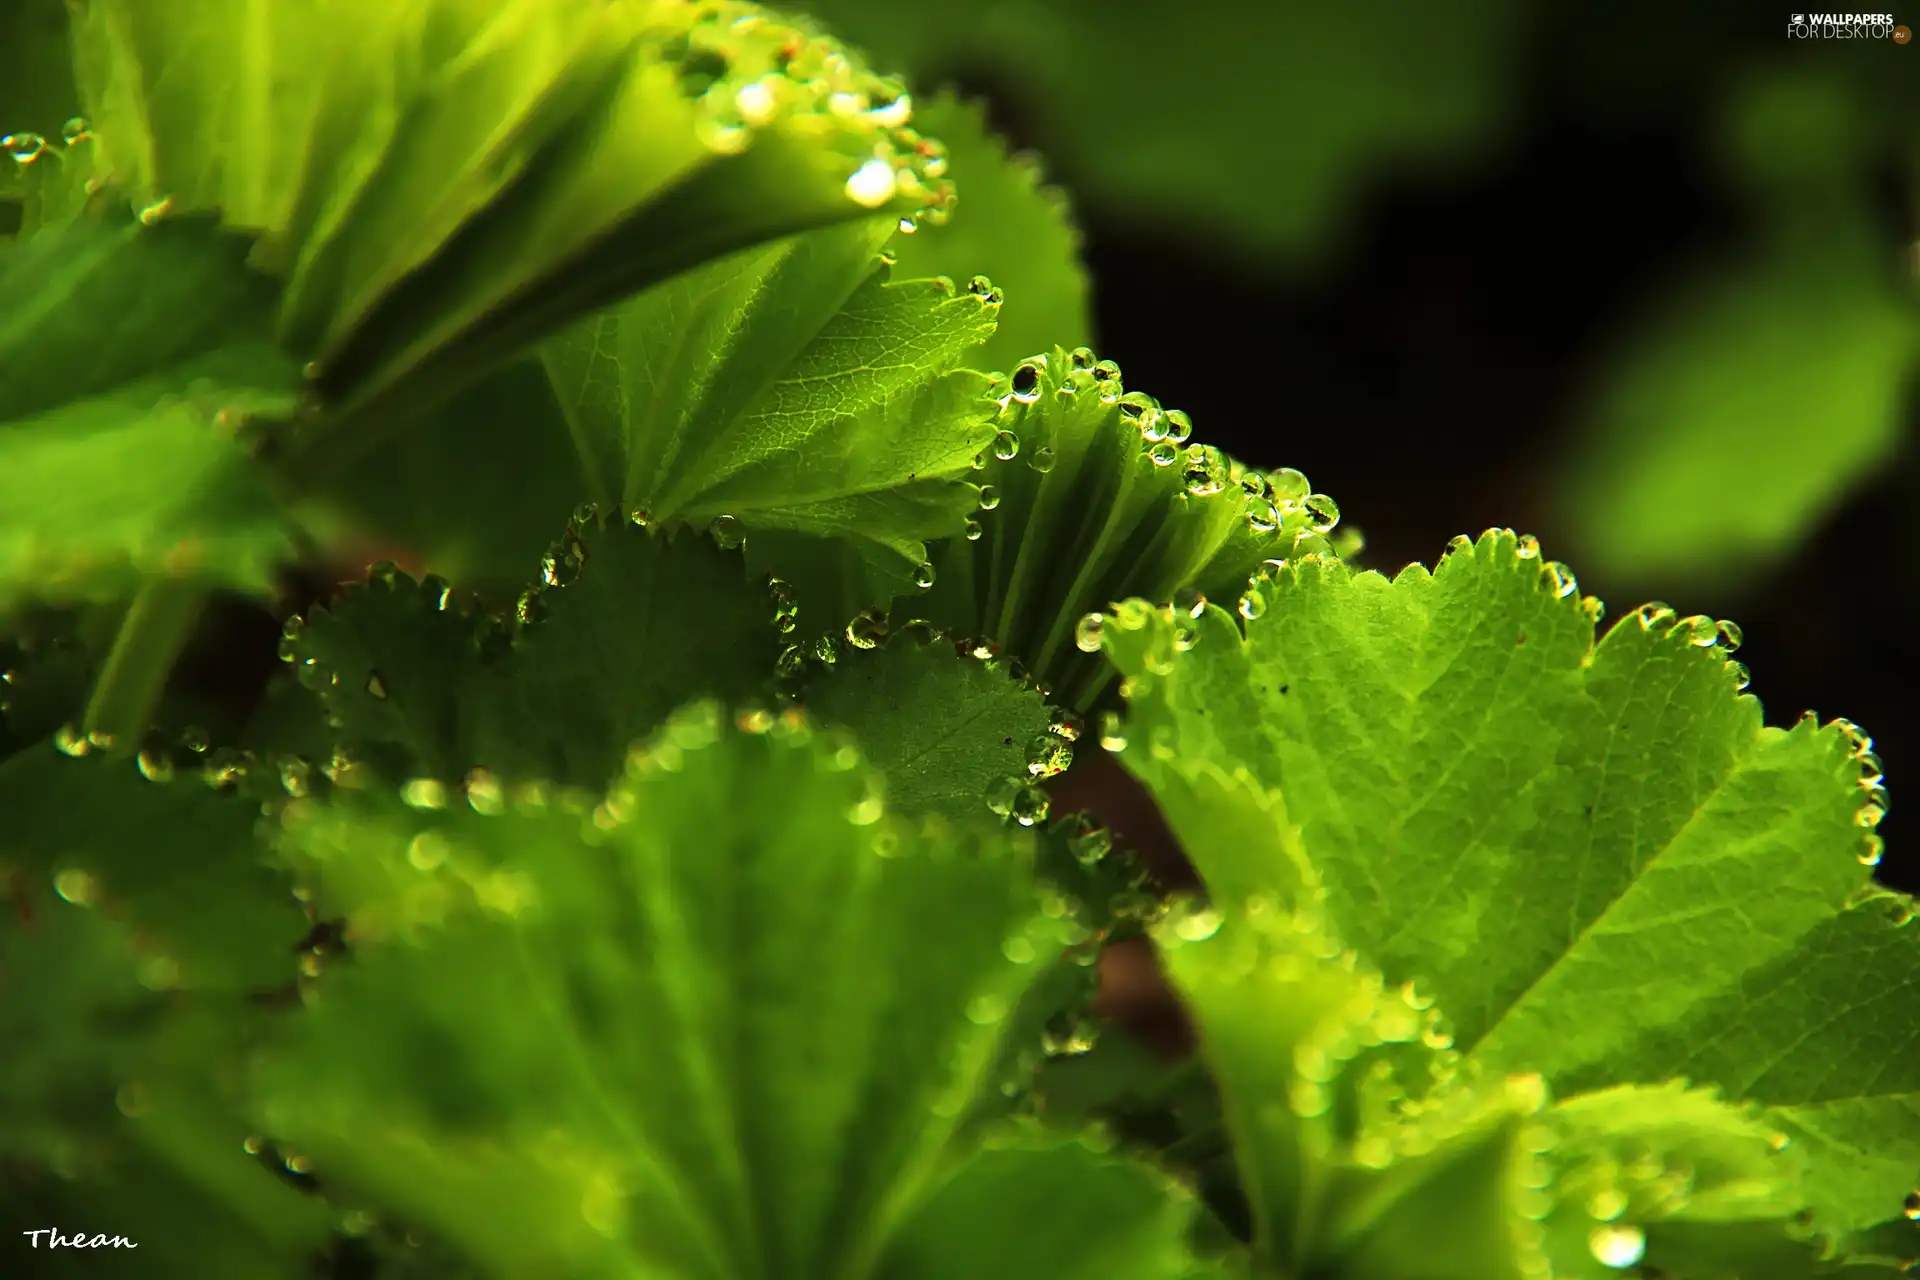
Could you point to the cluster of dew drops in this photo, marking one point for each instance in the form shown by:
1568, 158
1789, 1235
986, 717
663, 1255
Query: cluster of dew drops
747, 71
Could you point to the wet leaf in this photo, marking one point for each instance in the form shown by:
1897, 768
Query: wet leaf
758, 1006
444, 182
1596, 853
423, 683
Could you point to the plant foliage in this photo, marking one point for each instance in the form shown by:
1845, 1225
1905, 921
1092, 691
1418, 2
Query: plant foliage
687, 899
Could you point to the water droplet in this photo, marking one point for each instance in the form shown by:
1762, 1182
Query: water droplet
1873, 847
1702, 632
1089, 631
1081, 358
1163, 454
155, 765
866, 630
980, 287
973, 530
1002, 792
77, 886
1618, 1247
1026, 382
25, 148
1018, 950
1607, 1204
424, 793
986, 1009
195, 739
1048, 756
1198, 926
1527, 547
1323, 512
1005, 445
376, 686
1031, 806
153, 213
71, 741
872, 184
1560, 580
1253, 604
1113, 735
1730, 634
1913, 1206
1042, 460
726, 532
757, 101
428, 850
923, 575
989, 497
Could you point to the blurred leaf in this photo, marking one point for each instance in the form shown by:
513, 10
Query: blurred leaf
627, 626
1742, 416
1032, 1206
725, 1025
1257, 122
128, 357
1598, 851
157, 844
118, 1120
1008, 227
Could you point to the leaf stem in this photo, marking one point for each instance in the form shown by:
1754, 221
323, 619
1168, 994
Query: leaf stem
151, 636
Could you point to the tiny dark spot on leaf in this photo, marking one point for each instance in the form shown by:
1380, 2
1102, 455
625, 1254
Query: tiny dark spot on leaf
1285, 687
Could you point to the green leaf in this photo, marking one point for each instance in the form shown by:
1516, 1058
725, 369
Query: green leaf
1315, 1061
1096, 495
128, 357
1034, 1206
795, 389
943, 727
444, 182
155, 841
1006, 226
1740, 421
725, 1021
626, 626
120, 1119
1595, 852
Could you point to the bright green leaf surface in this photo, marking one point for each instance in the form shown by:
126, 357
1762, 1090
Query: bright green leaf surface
1595, 852
127, 354
1035, 1207
793, 388
1734, 427
1312, 1054
423, 685
1098, 495
724, 1024
941, 727
444, 181
1008, 227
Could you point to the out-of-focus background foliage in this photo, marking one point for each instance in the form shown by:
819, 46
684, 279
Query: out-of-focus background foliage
1638, 278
